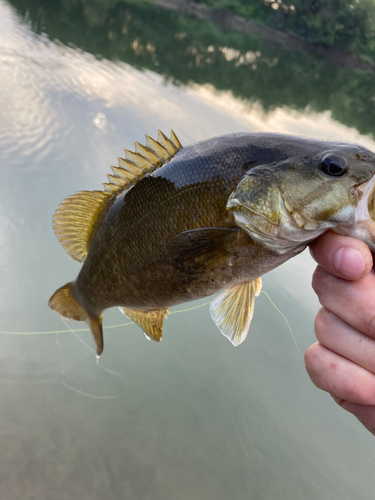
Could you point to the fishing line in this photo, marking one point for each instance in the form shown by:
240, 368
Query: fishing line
132, 323
99, 366
287, 322
191, 308
2, 332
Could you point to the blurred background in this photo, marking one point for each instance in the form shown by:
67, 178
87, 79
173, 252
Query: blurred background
193, 417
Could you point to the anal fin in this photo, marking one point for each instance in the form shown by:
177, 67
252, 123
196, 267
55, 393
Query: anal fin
151, 322
233, 310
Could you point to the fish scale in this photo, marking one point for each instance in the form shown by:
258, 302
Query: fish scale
177, 224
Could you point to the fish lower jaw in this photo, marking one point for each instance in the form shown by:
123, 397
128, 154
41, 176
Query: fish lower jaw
363, 226
301, 221
304, 223
363, 230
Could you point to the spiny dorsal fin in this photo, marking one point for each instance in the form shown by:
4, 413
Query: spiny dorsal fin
145, 160
75, 219
78, 217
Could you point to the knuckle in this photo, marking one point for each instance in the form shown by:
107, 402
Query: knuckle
319, 281
370, 399
358, 386
326, 325
312, 361
350, 388
322, 322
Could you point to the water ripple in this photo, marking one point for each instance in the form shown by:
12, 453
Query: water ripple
51, 92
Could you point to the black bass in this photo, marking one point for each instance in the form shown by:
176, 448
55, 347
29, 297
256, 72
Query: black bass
175, 224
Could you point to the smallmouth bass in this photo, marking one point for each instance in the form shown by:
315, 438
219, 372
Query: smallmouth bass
176, 224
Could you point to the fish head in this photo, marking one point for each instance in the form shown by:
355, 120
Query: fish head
285, 205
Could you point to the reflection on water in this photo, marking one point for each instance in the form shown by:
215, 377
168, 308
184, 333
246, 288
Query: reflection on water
184, 50
82, 371
192, 417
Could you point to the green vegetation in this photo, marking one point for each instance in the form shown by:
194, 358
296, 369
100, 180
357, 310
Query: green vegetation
256, 10
186, 50
348, 24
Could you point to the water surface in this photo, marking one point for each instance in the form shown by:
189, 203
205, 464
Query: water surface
193, 417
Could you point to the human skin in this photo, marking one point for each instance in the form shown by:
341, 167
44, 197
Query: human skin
342, 362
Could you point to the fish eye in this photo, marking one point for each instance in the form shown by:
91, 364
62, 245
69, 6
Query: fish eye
334, 166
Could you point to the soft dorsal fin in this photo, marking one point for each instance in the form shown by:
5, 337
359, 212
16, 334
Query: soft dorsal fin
75, 220
78, 217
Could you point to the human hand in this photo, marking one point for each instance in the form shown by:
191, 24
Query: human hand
342, 362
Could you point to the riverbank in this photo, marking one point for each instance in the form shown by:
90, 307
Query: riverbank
227, 20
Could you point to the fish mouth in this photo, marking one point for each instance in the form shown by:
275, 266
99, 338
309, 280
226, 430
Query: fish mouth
371, 204
363, 197
282, 231
296, 217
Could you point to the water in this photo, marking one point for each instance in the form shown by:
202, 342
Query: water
191, 418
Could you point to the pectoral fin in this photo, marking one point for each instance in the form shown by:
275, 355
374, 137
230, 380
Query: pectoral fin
151, 322
233, 310
198, 249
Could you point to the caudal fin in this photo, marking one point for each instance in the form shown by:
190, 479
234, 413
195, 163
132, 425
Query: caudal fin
63, 302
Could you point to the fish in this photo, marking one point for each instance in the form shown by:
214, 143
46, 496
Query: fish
175, 224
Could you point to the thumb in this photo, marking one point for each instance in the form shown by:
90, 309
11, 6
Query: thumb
342, 256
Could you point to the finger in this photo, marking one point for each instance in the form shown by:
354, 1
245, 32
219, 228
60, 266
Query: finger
333, 333
342, 256
352, 301
364, 413
337, 375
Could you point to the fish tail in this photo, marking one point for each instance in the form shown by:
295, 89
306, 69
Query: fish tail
64, 302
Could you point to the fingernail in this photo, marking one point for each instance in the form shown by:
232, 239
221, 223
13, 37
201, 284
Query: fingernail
349, 262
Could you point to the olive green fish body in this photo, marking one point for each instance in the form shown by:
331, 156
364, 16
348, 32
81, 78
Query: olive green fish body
218, 215
138, 260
